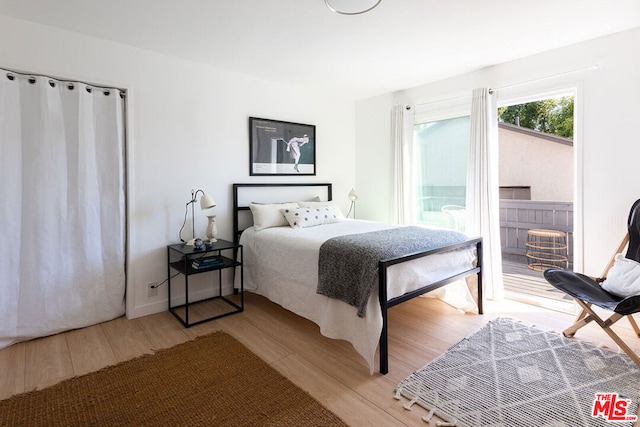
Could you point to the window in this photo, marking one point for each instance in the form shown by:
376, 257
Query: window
440, 171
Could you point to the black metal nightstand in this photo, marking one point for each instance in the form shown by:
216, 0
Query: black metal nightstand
188, 261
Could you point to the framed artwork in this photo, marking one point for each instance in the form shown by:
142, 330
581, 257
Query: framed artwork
281, 148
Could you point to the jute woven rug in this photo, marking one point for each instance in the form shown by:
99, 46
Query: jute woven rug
210, 381
510, 375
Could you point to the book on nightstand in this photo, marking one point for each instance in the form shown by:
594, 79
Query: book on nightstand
207, 262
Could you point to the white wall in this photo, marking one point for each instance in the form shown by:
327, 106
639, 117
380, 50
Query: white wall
374, 159
187, 129
606, 135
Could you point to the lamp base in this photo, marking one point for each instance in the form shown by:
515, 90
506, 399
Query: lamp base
190, 242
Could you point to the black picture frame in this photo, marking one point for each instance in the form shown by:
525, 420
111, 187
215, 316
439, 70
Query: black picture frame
281, 148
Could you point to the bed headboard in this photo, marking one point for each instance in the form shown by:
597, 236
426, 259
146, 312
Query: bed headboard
244, 194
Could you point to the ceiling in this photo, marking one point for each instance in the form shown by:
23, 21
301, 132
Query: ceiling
398, 45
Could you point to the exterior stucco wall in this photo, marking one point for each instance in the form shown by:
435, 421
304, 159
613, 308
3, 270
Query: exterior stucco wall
546, 166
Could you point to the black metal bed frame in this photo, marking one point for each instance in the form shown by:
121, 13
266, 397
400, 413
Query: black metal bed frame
383, 265
385, 304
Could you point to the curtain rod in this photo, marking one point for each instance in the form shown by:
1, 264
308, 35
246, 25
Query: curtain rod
493, 90
456, 98
122, 91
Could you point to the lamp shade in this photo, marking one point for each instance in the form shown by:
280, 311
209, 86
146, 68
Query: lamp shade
353, 196
351, 7
206, 201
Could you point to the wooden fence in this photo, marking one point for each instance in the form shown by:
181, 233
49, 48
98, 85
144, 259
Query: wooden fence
519, 216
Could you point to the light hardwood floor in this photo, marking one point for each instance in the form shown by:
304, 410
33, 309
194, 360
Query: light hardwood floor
330, 370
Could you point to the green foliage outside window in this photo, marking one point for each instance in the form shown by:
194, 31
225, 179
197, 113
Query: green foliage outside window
554, 116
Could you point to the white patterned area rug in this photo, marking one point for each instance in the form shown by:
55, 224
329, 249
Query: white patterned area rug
510, 375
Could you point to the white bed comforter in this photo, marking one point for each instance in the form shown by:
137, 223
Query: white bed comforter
281, 263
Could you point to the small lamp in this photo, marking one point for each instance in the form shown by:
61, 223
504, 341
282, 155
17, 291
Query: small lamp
206, 202
353, 196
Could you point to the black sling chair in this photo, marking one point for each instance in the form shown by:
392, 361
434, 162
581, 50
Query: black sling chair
587, 291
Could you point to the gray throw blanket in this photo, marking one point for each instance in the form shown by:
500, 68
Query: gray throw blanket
348, 265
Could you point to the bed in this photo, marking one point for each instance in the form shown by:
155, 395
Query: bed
285, 264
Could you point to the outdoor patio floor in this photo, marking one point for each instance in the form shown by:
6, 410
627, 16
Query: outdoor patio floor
528, 286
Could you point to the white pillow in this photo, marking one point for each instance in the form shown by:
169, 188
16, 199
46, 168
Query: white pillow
331, 204
303, 217
623, 279
269, 215
329, 215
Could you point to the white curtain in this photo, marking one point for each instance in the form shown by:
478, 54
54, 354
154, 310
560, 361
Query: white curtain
402, 122
402, 139
483, 188
62, 210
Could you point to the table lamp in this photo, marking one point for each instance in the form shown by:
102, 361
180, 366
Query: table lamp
206, 202
353, 196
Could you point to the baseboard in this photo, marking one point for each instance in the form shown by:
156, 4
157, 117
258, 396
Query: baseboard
161, 305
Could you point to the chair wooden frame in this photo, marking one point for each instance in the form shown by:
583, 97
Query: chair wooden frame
587, 314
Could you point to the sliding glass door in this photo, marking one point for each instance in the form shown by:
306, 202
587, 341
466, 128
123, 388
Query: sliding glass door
440, 171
